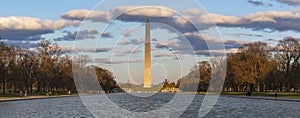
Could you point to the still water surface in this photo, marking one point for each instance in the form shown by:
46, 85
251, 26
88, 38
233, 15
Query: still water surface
225, 107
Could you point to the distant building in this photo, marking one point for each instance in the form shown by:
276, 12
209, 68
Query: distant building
175, 90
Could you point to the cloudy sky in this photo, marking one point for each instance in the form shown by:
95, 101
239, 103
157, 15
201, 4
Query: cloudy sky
182, 32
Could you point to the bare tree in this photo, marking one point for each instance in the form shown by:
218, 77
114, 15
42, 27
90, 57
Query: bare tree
288, 54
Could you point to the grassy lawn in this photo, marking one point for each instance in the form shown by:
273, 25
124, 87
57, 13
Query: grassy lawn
9, 95
34, 94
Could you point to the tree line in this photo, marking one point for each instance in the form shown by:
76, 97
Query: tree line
255, 67
44, 69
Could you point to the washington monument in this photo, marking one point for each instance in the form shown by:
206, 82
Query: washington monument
147, 59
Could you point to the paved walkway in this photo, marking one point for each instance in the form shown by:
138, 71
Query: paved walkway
264, 98
4, 99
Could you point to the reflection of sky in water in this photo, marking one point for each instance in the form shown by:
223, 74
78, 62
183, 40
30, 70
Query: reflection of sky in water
73, 107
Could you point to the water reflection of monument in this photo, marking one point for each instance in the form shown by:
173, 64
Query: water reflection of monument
147, 59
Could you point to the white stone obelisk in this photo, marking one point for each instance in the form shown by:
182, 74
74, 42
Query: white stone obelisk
147, 59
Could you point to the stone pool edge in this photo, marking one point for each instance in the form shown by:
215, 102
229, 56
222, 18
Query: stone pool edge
263, 98
34, 98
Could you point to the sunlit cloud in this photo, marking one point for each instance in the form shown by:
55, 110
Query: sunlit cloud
127, 32
217, 52
274, 20
83, 14
22, 28
76, 50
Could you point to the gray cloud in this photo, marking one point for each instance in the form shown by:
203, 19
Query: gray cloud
102, 16
106, 35
259, 3
196, 43
21, 44
113, 61
79, 35
245, 34
133, 14
35, 38
271, 20
170, 22
271, 40
290, 2
175, 56
135, 41
132, 51
190, 41
13, 34
154, 39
